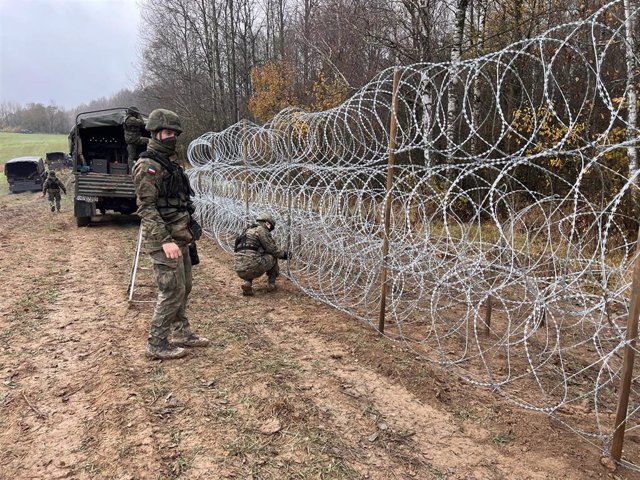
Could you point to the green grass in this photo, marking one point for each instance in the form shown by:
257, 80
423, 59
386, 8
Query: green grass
14, 145
503, 439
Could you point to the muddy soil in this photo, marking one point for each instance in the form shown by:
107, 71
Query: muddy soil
289, 389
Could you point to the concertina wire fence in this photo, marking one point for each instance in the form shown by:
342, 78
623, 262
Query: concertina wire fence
521, 205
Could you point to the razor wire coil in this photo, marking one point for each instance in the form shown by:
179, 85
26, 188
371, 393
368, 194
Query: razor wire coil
510, 204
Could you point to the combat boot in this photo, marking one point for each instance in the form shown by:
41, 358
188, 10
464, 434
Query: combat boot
247, 289
164, 351
186, 338
271, 286
53, 209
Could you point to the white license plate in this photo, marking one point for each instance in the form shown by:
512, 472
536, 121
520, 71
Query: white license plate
82, 198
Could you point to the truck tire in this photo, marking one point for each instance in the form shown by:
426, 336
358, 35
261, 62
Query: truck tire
83, 221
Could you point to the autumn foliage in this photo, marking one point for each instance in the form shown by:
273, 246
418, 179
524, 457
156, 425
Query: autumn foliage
273, 90
275, 87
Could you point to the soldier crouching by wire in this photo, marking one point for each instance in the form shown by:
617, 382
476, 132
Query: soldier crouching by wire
52, 186
164, 205
257, 253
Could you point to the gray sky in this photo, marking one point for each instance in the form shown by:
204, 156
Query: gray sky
67, 51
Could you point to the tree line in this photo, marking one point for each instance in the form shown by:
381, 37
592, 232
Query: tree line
34, 117
217, 61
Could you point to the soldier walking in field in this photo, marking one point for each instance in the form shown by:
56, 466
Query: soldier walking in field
52, 186
133, 129
164, 205
257, 253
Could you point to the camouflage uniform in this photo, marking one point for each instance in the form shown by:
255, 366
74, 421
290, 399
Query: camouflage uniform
133, 129
52, 186
258, 255
164, 205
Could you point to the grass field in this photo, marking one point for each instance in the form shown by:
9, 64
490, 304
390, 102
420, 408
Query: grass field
14, 145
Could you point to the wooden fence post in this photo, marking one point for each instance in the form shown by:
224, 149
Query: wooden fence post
629, 356
387, 206
289, 215
487, 315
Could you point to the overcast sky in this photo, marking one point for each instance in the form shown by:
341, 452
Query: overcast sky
67, 51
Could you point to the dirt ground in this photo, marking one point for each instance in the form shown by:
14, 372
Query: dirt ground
289, 389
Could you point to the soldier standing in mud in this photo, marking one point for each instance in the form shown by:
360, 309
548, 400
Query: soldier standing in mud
164, 205
52, 186
257, 253
133, 130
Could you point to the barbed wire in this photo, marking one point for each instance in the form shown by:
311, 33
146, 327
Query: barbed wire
512, 224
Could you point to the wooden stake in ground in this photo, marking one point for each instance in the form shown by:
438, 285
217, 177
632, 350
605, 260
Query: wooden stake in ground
487, 315
289, 205
387, 206
629, 356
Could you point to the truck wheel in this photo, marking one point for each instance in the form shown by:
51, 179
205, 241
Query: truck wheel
83, 221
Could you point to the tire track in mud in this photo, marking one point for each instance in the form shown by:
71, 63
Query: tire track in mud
434, 444
392, 433
78, 379
281, 393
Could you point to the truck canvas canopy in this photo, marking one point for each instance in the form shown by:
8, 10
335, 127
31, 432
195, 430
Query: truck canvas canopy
24, 167
102, 119
99, 135
102, 174
24, 174
56, 160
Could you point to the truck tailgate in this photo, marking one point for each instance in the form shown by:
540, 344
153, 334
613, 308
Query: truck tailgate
104, 185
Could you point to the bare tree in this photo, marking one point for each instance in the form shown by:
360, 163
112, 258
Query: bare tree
630, 9
454, 80
477, 45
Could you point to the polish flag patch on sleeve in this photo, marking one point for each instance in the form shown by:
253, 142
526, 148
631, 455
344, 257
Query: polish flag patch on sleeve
151, 171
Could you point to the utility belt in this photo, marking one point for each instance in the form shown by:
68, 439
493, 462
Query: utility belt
168, 207
172, 202
247, 247
169, 213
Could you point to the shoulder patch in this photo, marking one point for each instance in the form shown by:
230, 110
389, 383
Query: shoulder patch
151, 171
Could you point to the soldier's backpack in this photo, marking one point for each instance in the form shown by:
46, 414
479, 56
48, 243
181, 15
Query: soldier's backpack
52, 184
243, 243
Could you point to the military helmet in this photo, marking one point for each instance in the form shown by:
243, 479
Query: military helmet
161, 119
133, 109
52, 173
266, 217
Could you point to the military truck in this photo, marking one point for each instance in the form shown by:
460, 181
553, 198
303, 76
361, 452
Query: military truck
103, 181
25, 174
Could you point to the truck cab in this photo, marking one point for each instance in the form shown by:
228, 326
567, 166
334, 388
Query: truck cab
103, 179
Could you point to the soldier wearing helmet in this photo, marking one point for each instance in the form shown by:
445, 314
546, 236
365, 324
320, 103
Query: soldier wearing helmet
133, 134
164, 205
52, 186
257, 253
